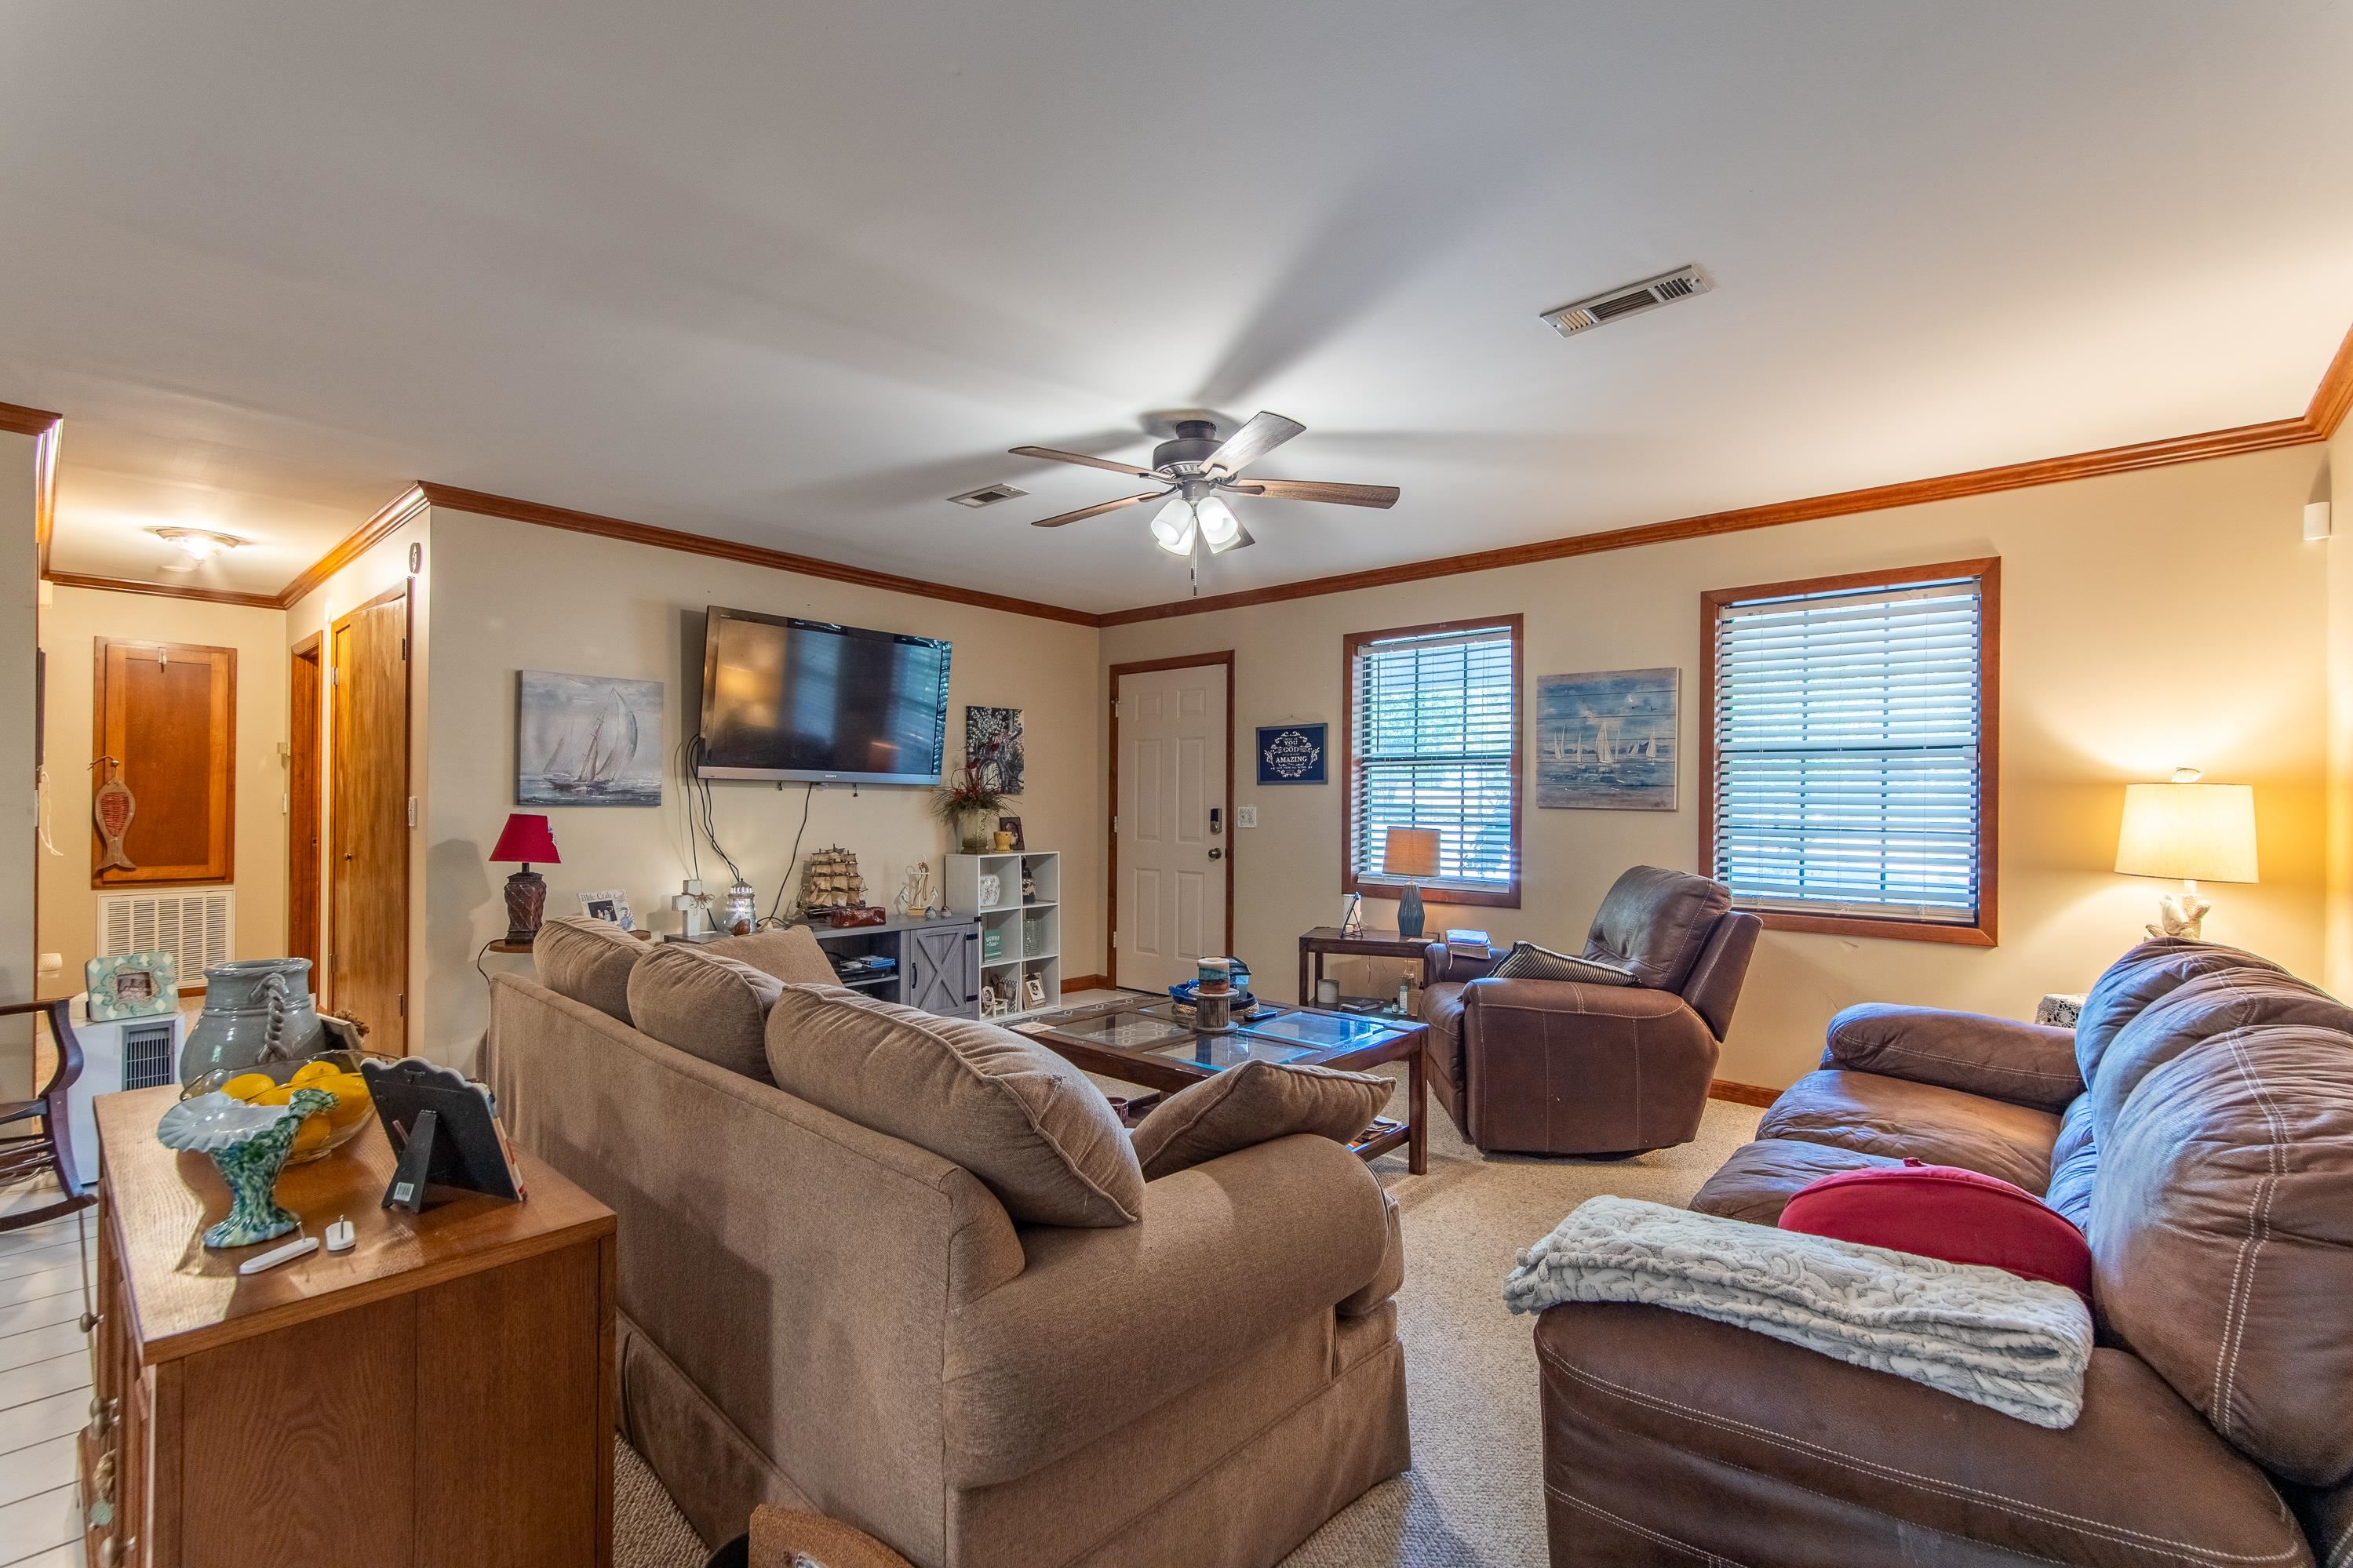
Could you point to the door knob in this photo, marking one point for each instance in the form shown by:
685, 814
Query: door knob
1216, 854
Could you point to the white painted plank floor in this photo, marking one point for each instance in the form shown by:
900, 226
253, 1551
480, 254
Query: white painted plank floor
44, 1385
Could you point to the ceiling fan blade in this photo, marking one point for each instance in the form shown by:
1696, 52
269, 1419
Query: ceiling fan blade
1087, 511
1051, 455
1309, 490
1254, 440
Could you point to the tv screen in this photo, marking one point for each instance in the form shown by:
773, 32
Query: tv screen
785, 699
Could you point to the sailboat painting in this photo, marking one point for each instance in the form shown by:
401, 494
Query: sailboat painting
1607, 742
587, 740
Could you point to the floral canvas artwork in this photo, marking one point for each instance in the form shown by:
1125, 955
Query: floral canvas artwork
992, 741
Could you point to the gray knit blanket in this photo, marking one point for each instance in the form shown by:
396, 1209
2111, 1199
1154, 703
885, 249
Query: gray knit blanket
2017, 1346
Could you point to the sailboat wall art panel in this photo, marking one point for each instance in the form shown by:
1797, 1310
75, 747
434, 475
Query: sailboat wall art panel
1607, 742
587, 740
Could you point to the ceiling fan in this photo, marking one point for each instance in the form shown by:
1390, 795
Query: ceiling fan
1199, 472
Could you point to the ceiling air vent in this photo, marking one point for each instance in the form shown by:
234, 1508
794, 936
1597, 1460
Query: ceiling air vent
1582, 315
987, 495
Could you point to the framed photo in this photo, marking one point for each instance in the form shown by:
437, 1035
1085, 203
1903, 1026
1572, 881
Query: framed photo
1607, 742
1293, 754
132, 985
1033, 991
613, 905
992, 740
587, 740
1012, 825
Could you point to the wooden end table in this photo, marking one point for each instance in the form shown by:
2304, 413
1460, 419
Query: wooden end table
1370, 943
1145, 1042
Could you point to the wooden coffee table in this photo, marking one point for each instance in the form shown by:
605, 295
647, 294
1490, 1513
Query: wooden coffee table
1143, 1041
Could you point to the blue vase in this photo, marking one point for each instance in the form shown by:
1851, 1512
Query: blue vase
256, 1009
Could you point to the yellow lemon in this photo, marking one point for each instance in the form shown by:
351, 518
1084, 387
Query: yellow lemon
277, 1094
249, 1086
311, 1135
352, 1100
312, 1071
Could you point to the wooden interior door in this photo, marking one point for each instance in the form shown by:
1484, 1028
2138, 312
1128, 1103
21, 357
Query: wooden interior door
304, 715
1171, 872
168, 714
367, 866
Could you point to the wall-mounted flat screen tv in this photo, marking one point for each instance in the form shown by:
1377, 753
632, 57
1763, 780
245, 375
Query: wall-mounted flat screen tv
787, 698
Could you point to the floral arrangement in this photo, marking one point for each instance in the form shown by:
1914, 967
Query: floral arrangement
969, 790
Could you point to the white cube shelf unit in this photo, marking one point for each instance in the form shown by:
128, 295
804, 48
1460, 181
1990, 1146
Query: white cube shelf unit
1019, 938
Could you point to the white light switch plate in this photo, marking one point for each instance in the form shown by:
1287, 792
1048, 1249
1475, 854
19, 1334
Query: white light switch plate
1245, 816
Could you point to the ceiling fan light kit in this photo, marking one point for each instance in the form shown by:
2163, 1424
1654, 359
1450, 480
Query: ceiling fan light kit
1199, 471
197, 546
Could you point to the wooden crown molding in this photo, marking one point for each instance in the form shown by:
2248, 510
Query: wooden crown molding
399, 509
165, 590
459, 500
28, 421
2334, 396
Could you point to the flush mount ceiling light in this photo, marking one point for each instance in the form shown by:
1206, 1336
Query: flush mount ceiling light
197, 546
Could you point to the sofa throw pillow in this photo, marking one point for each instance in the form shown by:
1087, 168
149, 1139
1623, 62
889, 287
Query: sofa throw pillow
789, 953
1252, 1103
589, 962
1526, 961
1025, 1121
706, 1006
1947, 1212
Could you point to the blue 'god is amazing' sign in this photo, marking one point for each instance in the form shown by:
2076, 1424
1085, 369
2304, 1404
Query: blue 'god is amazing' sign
1290, 754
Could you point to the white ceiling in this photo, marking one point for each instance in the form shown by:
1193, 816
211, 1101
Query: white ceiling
793, 274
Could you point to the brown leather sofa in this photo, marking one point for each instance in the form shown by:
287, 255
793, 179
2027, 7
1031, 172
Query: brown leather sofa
2198, 1125
1554, 1067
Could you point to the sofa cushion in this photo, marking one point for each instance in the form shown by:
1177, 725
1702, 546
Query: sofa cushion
1670, 1438
2199, 1009
1441, 1009
2140, 978
2074, 1162
1880, 1115
789, 953
1027, 1123
706, 1006
1526, 961
589, 962
2221, 1232
1252, 1103
1760, 1178
1942, 1211
2032, 1064
1654, 922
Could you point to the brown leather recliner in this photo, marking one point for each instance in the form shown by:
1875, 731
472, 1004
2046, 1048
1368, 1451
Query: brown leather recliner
1554, 1067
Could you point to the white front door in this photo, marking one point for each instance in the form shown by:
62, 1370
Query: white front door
1170, 820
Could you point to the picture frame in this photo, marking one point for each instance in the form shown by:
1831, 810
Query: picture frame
587, 740
1609, 740
1033, 991
132, 985
993, 743
1294, 755
612, 904
1013, 825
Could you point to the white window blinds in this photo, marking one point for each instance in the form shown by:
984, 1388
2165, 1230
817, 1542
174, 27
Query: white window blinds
1434, 716
1847, 730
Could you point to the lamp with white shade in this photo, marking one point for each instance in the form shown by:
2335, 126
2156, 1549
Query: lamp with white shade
1410, 853
2190, 830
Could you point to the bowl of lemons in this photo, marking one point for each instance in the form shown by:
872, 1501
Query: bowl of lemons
274, 1083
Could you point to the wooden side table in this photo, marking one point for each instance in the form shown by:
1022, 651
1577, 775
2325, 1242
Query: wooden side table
442, 1393
1314, 944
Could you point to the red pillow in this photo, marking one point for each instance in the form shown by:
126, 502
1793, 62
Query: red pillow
1944, 1211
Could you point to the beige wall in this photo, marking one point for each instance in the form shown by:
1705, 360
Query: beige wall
2336, 486
75, 618
511, 596
2150, 620
380, 568
20, 610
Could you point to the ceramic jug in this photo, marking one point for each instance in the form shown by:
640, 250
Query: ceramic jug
255, 1009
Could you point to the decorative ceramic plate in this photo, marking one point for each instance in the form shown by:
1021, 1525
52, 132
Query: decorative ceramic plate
211, 1123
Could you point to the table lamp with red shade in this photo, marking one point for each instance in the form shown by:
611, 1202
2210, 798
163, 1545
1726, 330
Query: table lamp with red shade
526, 837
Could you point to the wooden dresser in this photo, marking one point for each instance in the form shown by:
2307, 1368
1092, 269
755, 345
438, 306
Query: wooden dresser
442, 1393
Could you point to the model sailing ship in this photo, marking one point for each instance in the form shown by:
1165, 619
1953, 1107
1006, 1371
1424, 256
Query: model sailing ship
830, 884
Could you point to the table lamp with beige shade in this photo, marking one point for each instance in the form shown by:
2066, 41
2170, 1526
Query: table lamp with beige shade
1410, 853
2197, 832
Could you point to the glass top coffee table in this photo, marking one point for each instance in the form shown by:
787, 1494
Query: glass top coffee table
1147, 1042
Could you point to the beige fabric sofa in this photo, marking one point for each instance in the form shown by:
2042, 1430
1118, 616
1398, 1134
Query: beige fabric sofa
821, 1316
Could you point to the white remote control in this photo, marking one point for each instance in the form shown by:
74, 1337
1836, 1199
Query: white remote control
276, 1255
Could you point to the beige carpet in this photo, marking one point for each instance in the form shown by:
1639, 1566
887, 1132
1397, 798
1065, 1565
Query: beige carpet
1474, 1498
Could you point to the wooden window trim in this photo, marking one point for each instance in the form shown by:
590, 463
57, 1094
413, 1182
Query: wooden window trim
221, 779
1506, 898
1988, 571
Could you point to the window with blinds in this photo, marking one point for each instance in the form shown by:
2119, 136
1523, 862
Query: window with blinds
1433, 711
1850, 722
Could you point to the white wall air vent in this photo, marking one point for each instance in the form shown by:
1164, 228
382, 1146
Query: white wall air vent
987, 495
1583, 315
193, 925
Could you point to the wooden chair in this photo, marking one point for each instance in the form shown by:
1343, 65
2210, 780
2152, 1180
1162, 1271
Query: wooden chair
781, 1536
28, 1153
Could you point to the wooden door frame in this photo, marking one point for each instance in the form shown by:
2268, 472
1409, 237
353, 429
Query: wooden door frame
1110, 817
303, 742
409, 764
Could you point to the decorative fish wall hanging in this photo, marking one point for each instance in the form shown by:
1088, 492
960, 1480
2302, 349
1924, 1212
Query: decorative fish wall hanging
112, 807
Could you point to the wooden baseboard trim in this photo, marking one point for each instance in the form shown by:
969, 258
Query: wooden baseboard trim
1088, 983
1741, 1093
